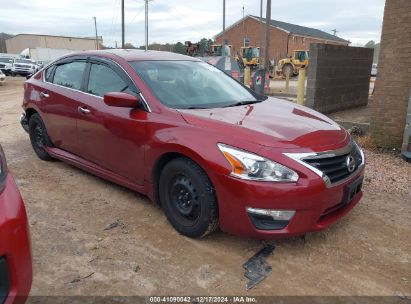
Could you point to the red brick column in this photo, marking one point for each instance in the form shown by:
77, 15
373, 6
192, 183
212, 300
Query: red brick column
392, 87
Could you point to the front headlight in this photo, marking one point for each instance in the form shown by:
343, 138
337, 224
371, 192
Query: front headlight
250, 166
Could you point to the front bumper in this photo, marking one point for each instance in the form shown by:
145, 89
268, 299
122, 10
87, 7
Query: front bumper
23, 71
316, 205
15, 247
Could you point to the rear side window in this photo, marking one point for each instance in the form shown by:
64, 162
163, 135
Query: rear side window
102, 80
70, 75
49, 74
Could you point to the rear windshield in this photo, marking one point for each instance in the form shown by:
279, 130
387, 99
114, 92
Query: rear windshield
191, 84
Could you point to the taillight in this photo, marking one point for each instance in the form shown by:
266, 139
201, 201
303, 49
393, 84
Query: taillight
3, 169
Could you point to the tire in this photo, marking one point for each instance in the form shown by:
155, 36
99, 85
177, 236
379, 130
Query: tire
38, 137
288, 69
188, 198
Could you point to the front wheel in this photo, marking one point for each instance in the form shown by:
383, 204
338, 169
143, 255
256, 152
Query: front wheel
188, 198
38, 137
288, 69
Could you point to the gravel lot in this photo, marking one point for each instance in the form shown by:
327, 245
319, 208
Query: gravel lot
366, 253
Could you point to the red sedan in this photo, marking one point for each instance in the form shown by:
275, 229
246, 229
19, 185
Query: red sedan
15, 251
210, 151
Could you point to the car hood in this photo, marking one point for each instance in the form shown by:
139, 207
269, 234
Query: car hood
272, 123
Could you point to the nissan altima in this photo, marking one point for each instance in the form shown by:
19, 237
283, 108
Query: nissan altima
211, 152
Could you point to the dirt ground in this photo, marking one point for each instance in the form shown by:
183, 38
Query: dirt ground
367, 253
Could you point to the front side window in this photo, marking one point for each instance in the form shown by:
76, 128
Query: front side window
191, 84
102, 80
70, 75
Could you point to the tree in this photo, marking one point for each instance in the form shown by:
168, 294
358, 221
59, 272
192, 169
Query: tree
376, 46
128, 45
370, 44
205, 45
179, 48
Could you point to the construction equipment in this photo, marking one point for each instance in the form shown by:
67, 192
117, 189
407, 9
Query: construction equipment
250, 55
217, 50
192, 49
293, 64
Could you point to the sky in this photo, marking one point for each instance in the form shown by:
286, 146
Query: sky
179, 20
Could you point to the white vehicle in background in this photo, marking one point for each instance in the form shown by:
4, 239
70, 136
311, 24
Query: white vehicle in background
5, 65
23, 67
374, 69
2, 78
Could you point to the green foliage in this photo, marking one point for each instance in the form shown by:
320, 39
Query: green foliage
179, 48
376, 46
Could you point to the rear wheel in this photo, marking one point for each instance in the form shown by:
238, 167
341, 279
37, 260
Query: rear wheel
38, 137
188, 198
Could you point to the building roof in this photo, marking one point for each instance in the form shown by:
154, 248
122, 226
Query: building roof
295, 29
42, 35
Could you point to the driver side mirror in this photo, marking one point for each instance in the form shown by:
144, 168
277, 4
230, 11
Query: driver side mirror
124, 100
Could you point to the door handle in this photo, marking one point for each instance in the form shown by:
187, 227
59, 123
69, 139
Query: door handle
44, 94
83, 110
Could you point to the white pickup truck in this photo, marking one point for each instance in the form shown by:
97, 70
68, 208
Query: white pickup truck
23, 67
5, 65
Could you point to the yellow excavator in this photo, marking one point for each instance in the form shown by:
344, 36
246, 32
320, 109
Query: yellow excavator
250, 55
217, 50
293, 64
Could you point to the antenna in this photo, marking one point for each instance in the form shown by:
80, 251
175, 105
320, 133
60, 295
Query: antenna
334, 31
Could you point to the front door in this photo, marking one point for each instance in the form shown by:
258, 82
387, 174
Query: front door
112, 137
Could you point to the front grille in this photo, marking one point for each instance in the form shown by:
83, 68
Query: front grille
336, 167
2, 65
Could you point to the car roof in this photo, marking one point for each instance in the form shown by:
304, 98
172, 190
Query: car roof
138, 55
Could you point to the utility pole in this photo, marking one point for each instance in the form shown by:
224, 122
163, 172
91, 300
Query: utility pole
146, 7
223, 42
267, 44
243, 28
95, 27
260, 35
116, 44
122, 24
334, 31
267, 35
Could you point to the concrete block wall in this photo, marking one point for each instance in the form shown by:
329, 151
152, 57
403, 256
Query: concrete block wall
338, 77
393, 83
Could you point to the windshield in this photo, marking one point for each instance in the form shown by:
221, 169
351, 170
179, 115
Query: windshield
7, 60
23, 61
191, 84
251, 52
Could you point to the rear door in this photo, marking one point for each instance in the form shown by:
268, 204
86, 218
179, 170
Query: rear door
112, 137
59, 97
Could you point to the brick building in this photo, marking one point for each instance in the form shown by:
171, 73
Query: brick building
393, 83
284, 37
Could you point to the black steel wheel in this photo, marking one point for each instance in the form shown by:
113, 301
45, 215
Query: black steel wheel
38, 137
188, 198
